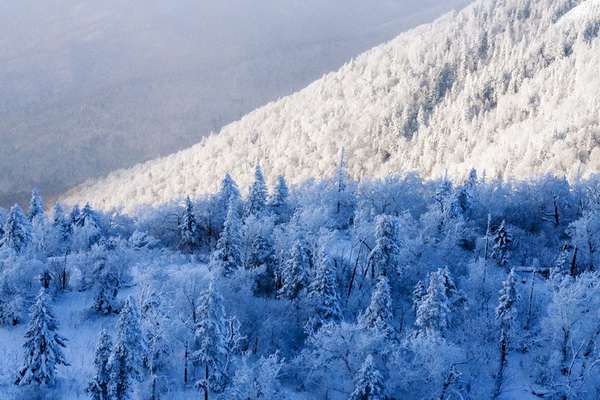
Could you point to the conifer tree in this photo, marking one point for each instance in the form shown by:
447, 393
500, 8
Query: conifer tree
257, 194
227, 257
262, 257
188, 229
36, 206
42, 346
210, 348
17, 232
378, 315
323, 292
418, 294
59, 222
505, 315
106, 283
501, 238
385, 256
433, 311
279, 201
125, 362
343, 197
98, 388
229, 190
294, 272
368, 382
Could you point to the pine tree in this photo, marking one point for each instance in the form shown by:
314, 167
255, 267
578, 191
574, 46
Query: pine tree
257, 194
59, 222
505, 315
378, 315
227, 257
418, 294
210, 350
75, 217
502, 239
385, 256
343, 197
229, 190
294, 273
323, 292
36, 206
125, 362
368, 382
106, 283
188, 229
98, 388
433, 311
43, 345
262, 257
17, 232
279, 201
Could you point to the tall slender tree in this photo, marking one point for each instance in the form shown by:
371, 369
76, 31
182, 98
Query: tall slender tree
17, 232
227, 257
98, 388
36, 206
378, 315
323, 292
368, 382
257, 194
43, 345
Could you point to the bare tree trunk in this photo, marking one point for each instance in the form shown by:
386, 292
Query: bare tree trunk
185, 365
502, 366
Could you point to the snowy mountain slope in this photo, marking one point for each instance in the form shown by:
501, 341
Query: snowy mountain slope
87, 87
510, 87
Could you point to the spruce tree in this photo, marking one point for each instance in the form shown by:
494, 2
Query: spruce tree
17, 232
227, 257
505, 315
368, 382
279, 201
229, 190
188, 229
262, 259
323, 292
378, 315
210, 347
385, 256
294, 272
257, 194
43, 344
75, 216
98, 388
106, 284
60, 223
500, 249
343, 198
36, 206
433, 311
125, 362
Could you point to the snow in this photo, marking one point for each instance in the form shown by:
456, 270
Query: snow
463, 92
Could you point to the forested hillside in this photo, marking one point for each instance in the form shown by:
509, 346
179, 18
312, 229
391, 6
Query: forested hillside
509, 87
396, 288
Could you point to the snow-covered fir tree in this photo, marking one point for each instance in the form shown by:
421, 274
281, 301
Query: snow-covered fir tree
17, 231
293, 273
210, 347
343, 198
227, 256
126, 359
385, 256
378, 315
263, 262
106, 284
323, 291
501, 239
188, 229
99, 385
505, 315
257, 195
369, 383
43, 345
433, 310
36, 206
279, 201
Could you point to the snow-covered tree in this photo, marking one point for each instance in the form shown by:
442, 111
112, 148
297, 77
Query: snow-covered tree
42, 346
227, 257
433, 310
17, 231
293, 274
505, 315
368, 383
501, 238
188, 229
378, 314
256, 381
323, 292
385, 256
210, 347
262, 261
106, 284
125, 362
343, 198
257, 194
36, 206
279, 201
99, 385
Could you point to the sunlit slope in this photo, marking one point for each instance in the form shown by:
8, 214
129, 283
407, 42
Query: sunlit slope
510, 87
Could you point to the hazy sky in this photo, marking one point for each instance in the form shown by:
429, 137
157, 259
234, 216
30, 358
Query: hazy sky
90, 86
